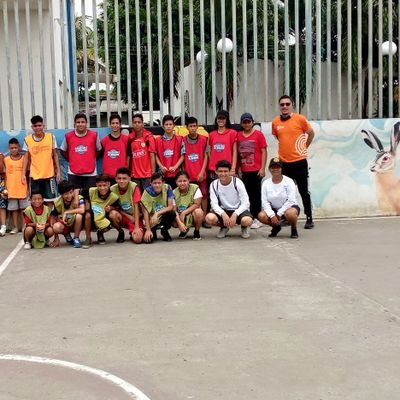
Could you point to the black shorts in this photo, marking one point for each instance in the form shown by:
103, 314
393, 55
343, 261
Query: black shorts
48, 188
293, 206
239, 218
142, 183
171, 182
82, 181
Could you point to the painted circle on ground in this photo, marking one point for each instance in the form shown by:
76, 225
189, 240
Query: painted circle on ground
126, 387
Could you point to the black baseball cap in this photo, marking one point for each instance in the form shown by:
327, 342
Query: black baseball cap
275, 161
246, 117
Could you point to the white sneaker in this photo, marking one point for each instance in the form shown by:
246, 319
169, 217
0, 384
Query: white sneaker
3, 230
27, 246
222, 232
13, 231
245, 233
256, 224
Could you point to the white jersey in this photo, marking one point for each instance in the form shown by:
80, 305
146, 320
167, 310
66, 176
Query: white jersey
278, 196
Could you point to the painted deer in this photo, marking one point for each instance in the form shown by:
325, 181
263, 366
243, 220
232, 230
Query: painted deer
384, 165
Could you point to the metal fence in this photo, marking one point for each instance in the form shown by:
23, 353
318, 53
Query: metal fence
338, 59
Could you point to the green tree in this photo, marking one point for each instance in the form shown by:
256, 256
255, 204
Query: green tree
251, 52
89, 44
345, 51
175, 39
157, 59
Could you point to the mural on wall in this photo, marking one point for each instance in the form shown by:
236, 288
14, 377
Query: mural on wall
346, 176
384, 166
341, 182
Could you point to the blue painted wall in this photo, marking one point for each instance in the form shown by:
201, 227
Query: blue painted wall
341, 182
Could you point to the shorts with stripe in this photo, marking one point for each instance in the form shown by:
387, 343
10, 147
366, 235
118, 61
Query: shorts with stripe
48, 187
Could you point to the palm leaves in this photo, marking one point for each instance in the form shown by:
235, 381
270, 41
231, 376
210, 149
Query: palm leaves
162, 59
80, 56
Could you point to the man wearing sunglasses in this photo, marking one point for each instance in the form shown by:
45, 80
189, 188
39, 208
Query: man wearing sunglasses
294, 134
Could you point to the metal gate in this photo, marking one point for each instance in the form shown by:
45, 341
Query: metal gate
337, 58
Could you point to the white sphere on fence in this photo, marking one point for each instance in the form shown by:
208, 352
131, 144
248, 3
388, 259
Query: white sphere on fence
228, 45
386, 50
200, 58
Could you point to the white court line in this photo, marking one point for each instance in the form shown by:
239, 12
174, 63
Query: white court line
128, 388
11, 256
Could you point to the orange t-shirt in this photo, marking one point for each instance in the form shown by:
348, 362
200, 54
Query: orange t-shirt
16, 190
292, 137
41, 153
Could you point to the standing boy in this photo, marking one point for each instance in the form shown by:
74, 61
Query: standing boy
170, 151
3, 198
17, 187
142, 153
252, 149
41, 159
80, 148
37, 223
129, 199
229, 202
196, 158
114, 147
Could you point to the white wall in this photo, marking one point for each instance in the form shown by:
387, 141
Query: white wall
52, 88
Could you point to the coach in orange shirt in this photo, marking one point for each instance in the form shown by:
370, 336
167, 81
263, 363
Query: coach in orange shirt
294, 134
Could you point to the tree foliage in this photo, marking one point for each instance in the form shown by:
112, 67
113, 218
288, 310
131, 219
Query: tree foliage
89, 38
162, 24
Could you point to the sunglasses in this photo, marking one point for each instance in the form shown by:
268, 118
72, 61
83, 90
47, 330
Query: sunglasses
285, 104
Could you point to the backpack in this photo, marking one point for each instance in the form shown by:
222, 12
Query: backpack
216, 190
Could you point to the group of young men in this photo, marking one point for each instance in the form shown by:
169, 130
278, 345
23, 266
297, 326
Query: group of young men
226, 167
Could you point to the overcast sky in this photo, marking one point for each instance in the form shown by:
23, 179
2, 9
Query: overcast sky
88, 7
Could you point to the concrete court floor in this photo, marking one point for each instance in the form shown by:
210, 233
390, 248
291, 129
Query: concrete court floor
281, 319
